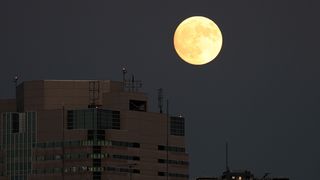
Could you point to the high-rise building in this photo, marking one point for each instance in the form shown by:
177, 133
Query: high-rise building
88, 129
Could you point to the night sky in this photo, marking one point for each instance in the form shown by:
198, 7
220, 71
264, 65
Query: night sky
262, 93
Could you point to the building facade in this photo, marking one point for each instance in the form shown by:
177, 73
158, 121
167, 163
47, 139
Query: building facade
83, 129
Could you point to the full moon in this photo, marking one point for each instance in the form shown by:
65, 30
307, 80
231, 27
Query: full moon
197, 40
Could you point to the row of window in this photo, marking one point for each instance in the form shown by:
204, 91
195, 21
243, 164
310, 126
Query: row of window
47, 157
125, 144
21, 167
47, 171
104, 143
69, 156
18, 135
86, 143
126, 157
19, 122
173, 175
75, 169
176, 162
123, 170
171, 148
93, 119
57, 144
19, 177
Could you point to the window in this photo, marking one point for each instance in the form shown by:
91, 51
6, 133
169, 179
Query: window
97, 174
57, 157
70, 120
136, 105
122, 170
125, 144
96, 135
171, 148
93, 119
177, 126
173, 175
126, 157
175, 162
15, 123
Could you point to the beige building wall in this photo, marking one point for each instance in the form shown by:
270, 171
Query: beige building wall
51, 99
8, 105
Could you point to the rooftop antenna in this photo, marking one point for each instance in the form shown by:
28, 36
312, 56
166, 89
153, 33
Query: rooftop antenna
227, 157
132, 82
15, 81
160, 99
124, 72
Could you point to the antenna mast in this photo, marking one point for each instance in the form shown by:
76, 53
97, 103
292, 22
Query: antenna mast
124, 72
130, 85
227, 157
15, 81
160, 99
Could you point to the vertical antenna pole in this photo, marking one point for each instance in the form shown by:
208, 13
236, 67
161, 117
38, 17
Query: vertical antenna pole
160, 99
227, 157
16, 77
15, 81
132, 83
124, 72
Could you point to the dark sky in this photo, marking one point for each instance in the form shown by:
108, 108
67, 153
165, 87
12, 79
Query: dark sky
261, 94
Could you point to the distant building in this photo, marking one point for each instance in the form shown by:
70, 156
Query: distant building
231, 175
238, 175
82, 129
